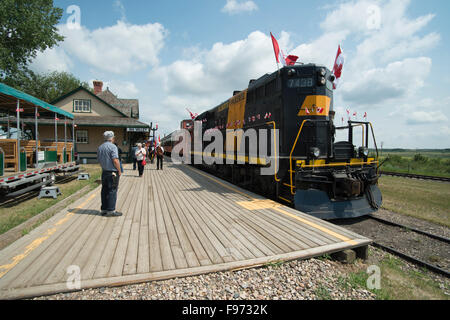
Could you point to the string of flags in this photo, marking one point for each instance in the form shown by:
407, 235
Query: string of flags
354, 114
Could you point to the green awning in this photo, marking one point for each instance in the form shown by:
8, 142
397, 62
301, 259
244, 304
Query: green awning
6, 100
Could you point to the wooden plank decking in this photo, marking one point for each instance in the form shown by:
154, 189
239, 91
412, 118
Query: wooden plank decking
175, 222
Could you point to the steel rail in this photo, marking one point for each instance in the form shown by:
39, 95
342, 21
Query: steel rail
412, 259
425, 233
415, 176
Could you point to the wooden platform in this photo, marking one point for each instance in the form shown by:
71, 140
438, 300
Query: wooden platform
176, 222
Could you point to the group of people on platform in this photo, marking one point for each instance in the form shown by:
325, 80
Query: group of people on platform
109, 155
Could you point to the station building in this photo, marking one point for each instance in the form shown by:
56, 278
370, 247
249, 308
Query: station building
96, 112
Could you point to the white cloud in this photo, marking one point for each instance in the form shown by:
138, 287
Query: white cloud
425, 117
222, 69
51, 60
398, 79
120, 49
122, 89
234, 6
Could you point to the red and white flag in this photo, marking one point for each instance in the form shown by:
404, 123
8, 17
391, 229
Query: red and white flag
290, 60
354, 114
278, 54
337, 68
319, 109
193, 115
365, 115
306, 110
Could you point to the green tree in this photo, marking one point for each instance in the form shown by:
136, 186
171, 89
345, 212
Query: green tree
26, 27
49, 86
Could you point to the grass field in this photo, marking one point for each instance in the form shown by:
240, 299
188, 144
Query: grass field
426, 162
428, 200
13, 214
398, 280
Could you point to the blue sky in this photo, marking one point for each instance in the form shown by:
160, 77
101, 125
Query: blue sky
176, 54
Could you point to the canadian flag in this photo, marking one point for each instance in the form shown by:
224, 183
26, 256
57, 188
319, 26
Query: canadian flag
365, 114
337, 68
354, 114
319, 109
278, 54
306, 110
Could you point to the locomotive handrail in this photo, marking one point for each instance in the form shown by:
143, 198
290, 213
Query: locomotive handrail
291, 186
275, 148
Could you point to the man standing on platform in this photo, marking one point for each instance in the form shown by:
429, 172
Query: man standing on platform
108, 157
159, 157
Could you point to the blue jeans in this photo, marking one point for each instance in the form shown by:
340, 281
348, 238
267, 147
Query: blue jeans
110, 185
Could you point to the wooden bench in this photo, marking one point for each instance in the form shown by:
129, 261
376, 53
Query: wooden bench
30, 148
59, 149
9, 147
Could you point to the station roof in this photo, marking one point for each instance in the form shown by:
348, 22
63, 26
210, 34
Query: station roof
8, 101
85, 121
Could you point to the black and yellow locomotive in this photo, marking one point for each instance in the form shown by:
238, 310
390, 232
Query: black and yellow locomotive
313, 173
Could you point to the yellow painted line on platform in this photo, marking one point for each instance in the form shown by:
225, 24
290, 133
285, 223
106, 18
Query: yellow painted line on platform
319, 227
37, 242
257, 204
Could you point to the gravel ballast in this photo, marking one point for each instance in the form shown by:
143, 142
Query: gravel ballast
296, 280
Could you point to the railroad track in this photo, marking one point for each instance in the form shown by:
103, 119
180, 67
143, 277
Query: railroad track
33, 193
401, 236
414, 176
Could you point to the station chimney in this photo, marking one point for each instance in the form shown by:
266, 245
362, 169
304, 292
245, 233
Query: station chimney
98, 86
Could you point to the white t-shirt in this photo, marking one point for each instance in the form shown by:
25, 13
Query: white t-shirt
140, 154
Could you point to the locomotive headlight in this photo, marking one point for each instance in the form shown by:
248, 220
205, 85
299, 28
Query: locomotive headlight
322, 81
291, 72
363, 151
315, 152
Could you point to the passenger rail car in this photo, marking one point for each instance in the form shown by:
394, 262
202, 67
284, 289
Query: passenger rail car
315, 174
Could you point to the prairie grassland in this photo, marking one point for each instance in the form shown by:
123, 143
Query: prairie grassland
428, 200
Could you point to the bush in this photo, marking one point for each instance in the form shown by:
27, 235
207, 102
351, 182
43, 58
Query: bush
420, 158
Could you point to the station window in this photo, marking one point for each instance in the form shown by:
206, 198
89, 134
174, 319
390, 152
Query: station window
81, 136
81, 105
